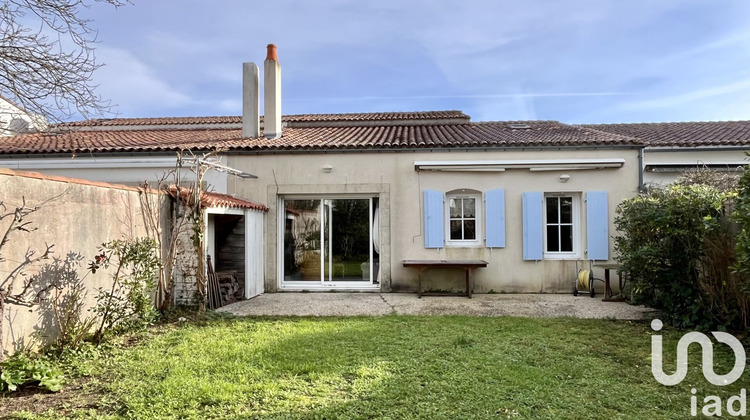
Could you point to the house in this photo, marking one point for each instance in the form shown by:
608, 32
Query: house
15, 120
349, 196
535, 199
673, 147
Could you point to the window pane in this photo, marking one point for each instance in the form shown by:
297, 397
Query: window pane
469, 208
553, 244
552, 210
470, 230
456, 229
302, 240
566, 209
455, 208
350, 240
566, 238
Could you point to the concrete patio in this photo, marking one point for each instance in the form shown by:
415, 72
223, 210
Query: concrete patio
374, 304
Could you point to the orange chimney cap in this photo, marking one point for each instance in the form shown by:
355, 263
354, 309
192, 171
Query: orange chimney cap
271, 54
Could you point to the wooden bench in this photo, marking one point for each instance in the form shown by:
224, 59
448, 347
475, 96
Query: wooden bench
608, 295
466, 265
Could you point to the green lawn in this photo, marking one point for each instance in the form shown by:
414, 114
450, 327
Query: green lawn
395, 367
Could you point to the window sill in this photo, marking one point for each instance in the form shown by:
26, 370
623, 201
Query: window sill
463, 244
562, 256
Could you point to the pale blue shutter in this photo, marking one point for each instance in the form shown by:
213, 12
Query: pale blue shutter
597, 225
495, 218
533, 233
433, 219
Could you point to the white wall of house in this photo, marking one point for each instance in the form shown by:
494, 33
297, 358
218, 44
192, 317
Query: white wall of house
393, 179
661, 165
14, 120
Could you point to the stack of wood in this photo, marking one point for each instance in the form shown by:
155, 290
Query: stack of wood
213, 297
229, 287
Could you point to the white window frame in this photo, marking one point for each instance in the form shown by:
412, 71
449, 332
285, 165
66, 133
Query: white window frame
478, 241
576, 223
323, 284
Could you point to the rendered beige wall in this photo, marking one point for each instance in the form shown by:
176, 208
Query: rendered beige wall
392, 177
76, 218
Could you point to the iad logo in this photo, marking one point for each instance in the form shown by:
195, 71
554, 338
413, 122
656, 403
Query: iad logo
712, 403
657, 368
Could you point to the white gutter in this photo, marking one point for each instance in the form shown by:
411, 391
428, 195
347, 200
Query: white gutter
700, 163
530, 164
89, 163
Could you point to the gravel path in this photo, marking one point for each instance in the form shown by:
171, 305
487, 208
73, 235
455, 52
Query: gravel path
373, 304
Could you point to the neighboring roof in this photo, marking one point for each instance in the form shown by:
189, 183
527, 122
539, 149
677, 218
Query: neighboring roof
371, 131
214, 199
683, 134
291, 120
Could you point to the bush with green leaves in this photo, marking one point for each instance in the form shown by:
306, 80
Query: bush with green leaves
21, 370
677, 246
128, 304
741, 217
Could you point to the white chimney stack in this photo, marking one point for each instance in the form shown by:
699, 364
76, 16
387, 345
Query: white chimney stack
272, 94
250, 100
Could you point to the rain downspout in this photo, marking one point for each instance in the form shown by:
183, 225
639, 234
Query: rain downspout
640, 169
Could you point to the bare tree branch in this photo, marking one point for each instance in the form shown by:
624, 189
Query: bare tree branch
27, 295
32, 290
38, 69
18, 214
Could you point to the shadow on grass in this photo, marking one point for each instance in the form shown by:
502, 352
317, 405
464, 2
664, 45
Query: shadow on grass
402, 367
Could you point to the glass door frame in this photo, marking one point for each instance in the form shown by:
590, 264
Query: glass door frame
326, 282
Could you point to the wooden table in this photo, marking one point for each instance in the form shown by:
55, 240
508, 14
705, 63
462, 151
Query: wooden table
466, 265
608, 295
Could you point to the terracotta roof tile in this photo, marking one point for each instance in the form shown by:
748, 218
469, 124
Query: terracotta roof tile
683, 134
214, 199
442, 130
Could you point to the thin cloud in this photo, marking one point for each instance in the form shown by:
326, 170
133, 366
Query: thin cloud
732, 41
133, 85
682, 99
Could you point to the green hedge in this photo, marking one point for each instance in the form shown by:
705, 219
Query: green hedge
678, 246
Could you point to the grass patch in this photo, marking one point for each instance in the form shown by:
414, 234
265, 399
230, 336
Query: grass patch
395, 367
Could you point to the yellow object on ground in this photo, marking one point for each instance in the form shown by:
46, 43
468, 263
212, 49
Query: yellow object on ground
583, 279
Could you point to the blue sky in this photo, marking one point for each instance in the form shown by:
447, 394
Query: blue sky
582, 61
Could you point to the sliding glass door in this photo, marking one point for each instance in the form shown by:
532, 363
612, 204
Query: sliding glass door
329, 241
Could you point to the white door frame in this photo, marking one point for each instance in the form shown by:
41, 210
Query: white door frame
323, 284
251, 290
